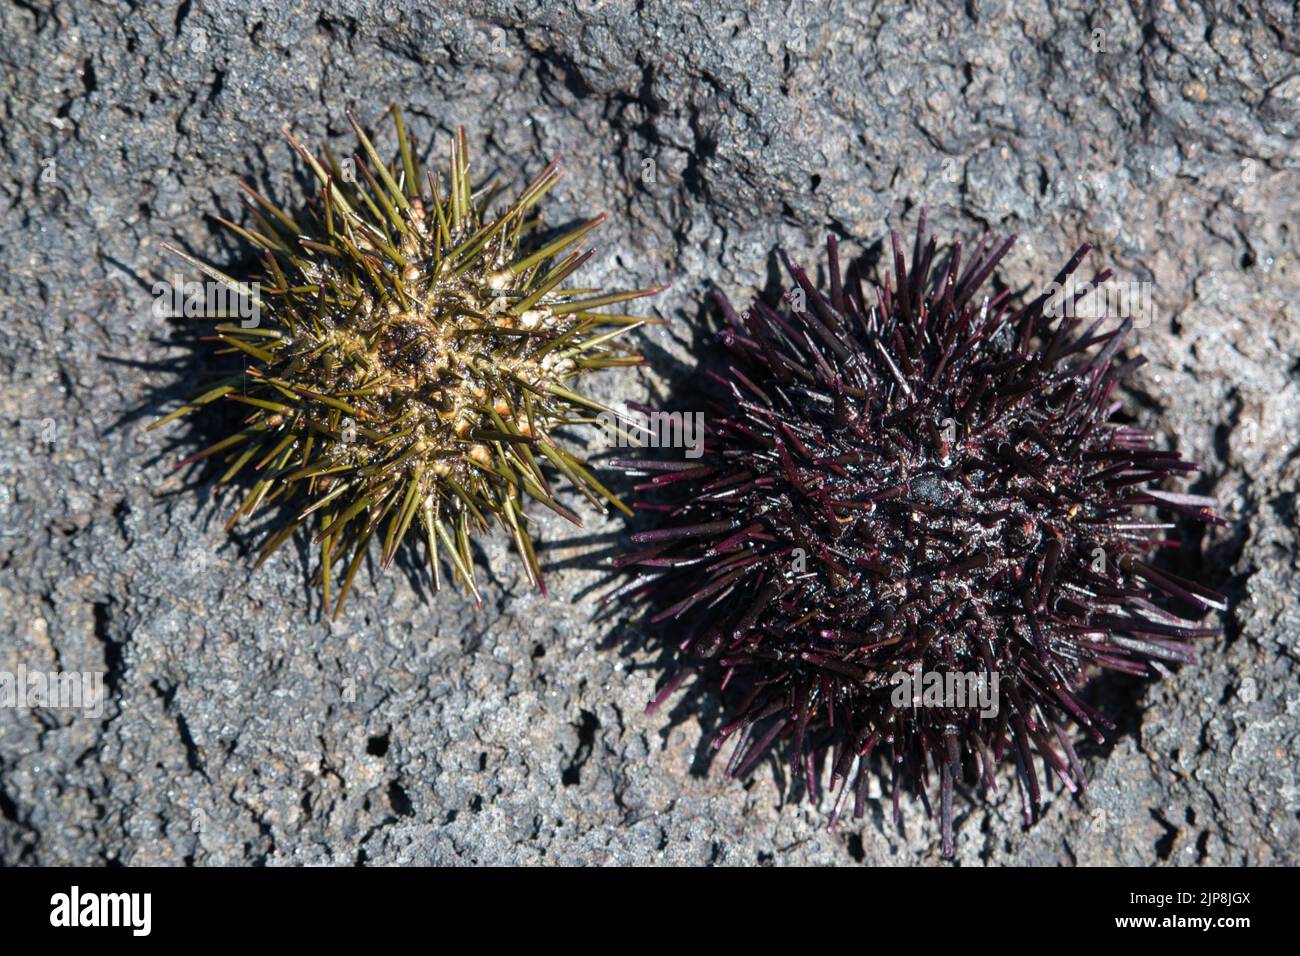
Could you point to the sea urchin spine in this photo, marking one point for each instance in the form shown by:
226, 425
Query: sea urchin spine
418, 357
912, 476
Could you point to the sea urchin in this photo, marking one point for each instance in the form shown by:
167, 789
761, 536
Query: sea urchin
412, 360
913, 480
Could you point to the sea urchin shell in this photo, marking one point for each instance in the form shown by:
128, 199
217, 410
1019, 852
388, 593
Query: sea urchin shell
914, 480
418, 357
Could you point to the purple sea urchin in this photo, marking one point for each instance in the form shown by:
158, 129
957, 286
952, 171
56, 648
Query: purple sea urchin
413, 359
907, 480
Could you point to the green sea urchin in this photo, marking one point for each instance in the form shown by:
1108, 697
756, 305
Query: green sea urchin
412, 360
916, 480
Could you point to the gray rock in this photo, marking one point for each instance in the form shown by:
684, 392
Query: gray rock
241, 728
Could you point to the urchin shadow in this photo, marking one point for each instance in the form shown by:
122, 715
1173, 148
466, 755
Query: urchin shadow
1120, 696
643, 646
190, 363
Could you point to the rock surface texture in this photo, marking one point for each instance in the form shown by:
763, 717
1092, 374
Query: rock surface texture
241, 727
